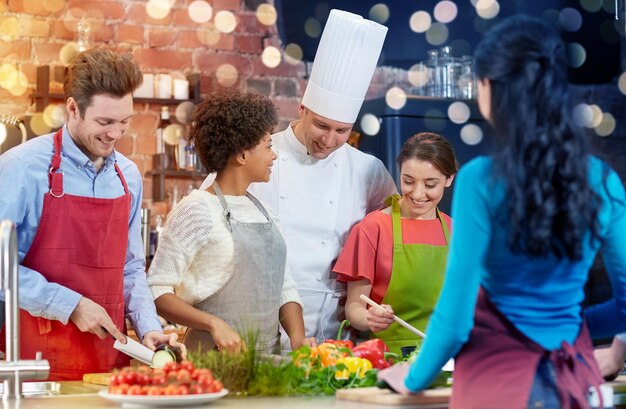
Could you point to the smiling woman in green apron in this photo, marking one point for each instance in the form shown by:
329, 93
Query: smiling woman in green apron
397, 255
220, 265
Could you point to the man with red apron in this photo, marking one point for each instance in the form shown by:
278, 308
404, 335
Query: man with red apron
82, 262
421, 268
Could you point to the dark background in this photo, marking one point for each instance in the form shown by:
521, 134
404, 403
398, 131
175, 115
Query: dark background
599, 33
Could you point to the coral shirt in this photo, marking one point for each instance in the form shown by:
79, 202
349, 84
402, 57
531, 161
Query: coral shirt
368, 253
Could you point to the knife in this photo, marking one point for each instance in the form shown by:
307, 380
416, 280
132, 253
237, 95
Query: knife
135, 350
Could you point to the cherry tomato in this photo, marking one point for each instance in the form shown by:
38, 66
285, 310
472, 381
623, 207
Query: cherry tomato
170, 366
134, 390
187, 365
183, 376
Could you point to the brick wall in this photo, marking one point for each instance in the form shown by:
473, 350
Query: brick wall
34, 32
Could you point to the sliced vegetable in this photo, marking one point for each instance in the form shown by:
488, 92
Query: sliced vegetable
164, 354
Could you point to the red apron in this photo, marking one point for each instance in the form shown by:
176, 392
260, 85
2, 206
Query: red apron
497, 366
81, 244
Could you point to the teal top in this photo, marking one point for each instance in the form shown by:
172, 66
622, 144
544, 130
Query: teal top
542, 297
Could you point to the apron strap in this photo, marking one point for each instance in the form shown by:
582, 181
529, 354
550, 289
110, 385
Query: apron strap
119, 173
444, 226
55, 174
396, 220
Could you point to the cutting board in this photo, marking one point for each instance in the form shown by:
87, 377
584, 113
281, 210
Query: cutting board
387, 397
97, 378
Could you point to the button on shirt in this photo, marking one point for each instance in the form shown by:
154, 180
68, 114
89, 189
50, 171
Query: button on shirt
23, 184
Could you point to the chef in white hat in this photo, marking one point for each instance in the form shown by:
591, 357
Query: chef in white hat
320, 186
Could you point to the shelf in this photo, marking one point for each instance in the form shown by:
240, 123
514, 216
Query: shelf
42, 96
160, 175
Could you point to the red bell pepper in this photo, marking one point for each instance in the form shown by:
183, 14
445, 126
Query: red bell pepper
339, 342
374, 351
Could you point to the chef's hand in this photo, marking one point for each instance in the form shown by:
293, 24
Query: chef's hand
91, 317
225, 338
379, 319
611, 360
297, 343
153, 339
394, 377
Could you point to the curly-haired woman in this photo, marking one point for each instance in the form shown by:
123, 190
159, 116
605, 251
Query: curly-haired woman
529, 221
220, 265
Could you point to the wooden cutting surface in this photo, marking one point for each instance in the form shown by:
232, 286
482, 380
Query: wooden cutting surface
97, 378
387, 397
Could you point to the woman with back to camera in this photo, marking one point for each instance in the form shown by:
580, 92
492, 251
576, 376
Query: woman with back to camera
402, 246
220, 265
529, 220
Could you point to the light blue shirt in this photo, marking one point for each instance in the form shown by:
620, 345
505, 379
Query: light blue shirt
542, 297
23, 184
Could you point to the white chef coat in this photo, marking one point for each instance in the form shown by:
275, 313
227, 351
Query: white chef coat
317, 203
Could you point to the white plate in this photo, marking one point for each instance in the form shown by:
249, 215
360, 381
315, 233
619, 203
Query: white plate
163, 400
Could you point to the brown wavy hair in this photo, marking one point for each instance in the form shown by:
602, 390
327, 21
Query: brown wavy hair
227, 123
100, 71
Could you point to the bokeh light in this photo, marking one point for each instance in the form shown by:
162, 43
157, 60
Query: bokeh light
183, 112
582, 115
68, 52
437, 34
271, 57
577, 55
172, 133
395, 98
293, 54
208, 34
227, 75
9, 28
6, 72
418, 75
312, 28
458, 112
200, 11
621, 83
591, 6
471, 134
570, 19
54, 115
158, 9
38, 125
420, 21
266, 14
445, 11
596, 115
379, 13
370, 124
225, 21
606, 125
53, 5
17, 83
487, 9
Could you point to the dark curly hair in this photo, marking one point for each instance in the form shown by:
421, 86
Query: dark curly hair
430, 147
542, 157
227, 123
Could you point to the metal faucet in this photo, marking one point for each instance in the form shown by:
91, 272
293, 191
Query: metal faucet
14, 370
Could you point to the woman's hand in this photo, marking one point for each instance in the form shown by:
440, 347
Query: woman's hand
611, 360
297, 343
153, 339
394, 377
379, 319
225, 338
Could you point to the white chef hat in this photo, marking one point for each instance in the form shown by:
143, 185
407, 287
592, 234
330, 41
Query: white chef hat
343, 67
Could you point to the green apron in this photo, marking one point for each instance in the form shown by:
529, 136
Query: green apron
416, 279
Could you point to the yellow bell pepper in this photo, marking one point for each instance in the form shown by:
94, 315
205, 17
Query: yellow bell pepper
354, 365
